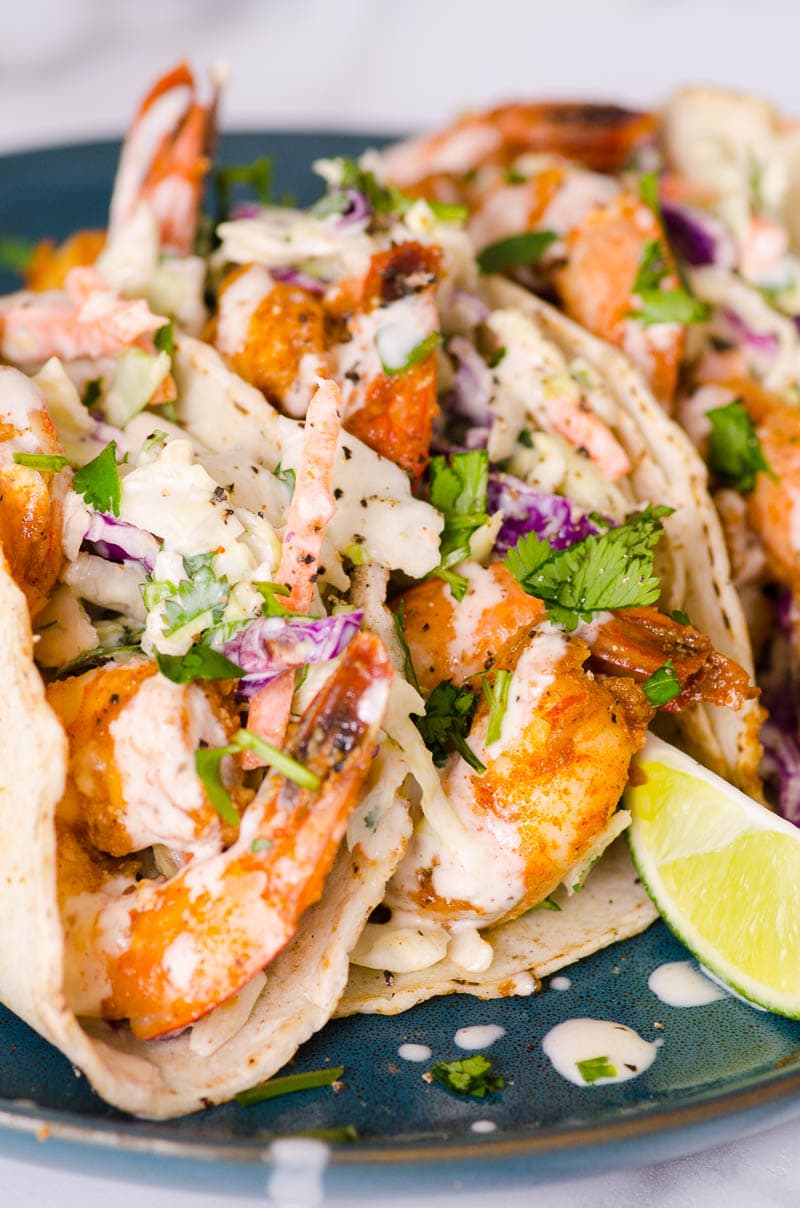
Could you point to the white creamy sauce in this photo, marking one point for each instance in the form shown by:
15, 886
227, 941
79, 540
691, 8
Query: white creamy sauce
478, 1037
180, 961
580, 192
19, 401
414, 1052
484, 593
560, 983
533, 674
297, 1167
483, 1126
579, 1040
237, 305
467, 950
404, 945
404, 325
681, 984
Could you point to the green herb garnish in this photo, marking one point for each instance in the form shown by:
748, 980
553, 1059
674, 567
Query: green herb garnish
52, 463
208, 763
164, 339
98, 481
272, 606
446, 722
468, 1076
256, 176
607, 570
663, 685
92, 392
593, 1068
288, 1085
735, 454
648, 192
515, 252
458, 489
662, 305
680, 616
496, 694
16, 253
408, 667
418, 353
200, 592
199, 662
287, 477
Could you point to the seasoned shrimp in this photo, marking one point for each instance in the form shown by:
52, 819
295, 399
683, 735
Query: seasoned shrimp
30, 499
132, 735
603, 137
450, 640
553, 779
87, 319
165, 158
161, 953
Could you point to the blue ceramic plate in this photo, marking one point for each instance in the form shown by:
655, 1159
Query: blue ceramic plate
723, 1069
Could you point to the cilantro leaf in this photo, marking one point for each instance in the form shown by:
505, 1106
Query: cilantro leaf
201, 591
734, 451
653, 267
272, 606
680, 616
50, 462
446, 722
670, 306
164, 339
287, 477
593, 1068
199, 662
288, 1084
98, 481
256, 176
515, 252
607, 570
92, 392
382, 199
496, 695
468, 1076
648, 192
458, 490
418, 353
663, 685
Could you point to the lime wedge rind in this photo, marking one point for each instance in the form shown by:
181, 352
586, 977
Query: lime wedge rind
724, 873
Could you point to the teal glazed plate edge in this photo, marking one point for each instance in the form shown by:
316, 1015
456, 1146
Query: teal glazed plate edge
723, 1071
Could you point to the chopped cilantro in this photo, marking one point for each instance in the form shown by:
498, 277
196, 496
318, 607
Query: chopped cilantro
446, 722
131, 644
525, 438
16, 253
513, 177
164, 339
468, 1076
382, 199
680, 616
199, 662
496, 695
98, 481
357, 554
288, 1085
593, 1068
92, 392
208, 763
497, 357
272, 606
256, 176
458, 490
408, 667
260, 845
663, 685
51, 462
735, 454
608, 570
418, 353
662, 305
653, 267
287, 477
516, 251
547, 904
200, 592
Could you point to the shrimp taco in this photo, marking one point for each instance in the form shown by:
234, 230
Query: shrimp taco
348, 600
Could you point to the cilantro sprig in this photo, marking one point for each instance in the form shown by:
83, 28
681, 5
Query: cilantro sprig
384, 200
51, 463
458, 490
98, 481
468, 1076
256, 176
208, 764
200, 592
495, 690
607, 570
408, 667
199, 662
446, 722
663, 685
662, 305
735, 454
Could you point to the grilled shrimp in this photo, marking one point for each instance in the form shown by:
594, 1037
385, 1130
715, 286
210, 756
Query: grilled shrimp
132, 735
575, 716
30, 499
162, 952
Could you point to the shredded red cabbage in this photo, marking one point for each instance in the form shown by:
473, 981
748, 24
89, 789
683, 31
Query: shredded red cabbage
358, 209
759, 341
267, 647
294, 276
698, 238
526, 509
118, 541
472, 388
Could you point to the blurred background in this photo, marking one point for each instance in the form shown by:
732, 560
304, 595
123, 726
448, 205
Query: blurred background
74, 69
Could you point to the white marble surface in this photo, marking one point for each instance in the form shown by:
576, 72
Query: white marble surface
73, 69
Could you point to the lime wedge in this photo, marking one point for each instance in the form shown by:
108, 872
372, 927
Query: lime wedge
723, 871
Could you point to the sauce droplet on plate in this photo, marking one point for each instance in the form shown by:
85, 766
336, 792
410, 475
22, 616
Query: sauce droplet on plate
681, 984
414, 1052
590, 1052
478, 1037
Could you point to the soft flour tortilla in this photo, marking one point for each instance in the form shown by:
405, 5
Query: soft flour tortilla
693, 565
156, 1078
611, 906
692, 560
